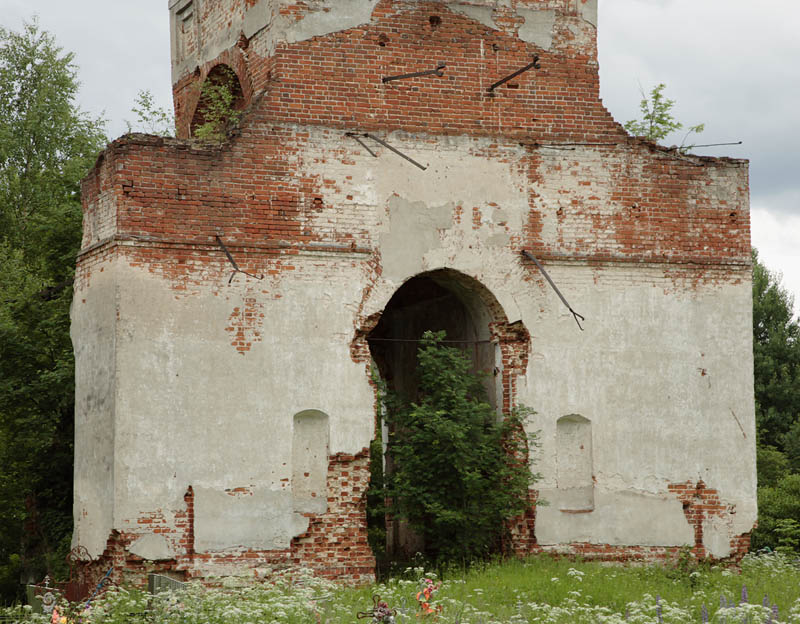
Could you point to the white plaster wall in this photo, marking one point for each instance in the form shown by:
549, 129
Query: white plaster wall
663, 369
192, 410
665, 377
93, 331
424, 220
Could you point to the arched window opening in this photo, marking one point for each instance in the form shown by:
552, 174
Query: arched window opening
219, 106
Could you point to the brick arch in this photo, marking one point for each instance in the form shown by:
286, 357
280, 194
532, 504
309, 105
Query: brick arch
511, 340
188, 95
219, 74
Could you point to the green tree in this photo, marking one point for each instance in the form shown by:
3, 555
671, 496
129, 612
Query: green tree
459, 474
46, 146
150, 118
657, 120
776, 367
776, 362
772, 465
776, 505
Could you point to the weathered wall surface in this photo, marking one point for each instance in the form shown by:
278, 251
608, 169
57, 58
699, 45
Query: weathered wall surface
231, 429
331, 74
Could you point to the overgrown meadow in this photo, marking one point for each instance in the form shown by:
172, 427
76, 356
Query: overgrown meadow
539, 589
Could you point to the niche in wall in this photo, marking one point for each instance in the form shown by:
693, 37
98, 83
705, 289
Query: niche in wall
310, 436
574, 479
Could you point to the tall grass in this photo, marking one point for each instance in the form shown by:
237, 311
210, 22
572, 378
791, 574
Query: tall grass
538, 589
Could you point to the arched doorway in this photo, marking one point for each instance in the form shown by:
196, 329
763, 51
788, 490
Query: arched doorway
435, 301
474, 321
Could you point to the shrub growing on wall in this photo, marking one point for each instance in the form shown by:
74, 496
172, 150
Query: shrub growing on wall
460, 472
218, 109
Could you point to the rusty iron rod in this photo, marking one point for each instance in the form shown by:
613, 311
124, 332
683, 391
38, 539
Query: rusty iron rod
428, 72
236, 268
516, 73
529, 255
395, 150
353, 135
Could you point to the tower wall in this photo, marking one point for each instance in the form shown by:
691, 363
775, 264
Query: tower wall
213, 360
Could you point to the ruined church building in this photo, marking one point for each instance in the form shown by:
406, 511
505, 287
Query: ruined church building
391, 165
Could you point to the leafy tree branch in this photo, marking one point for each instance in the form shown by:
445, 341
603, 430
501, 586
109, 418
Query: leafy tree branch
656, 118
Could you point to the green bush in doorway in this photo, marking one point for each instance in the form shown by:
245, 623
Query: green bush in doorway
460, 471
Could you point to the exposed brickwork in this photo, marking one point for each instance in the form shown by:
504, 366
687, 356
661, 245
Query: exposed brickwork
514, 342
163, 197
522, 529
281, 195
245, 325
633, 553
701, 503
334, 545
335, 79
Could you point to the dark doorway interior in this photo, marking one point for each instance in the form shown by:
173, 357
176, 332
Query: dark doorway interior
438, 300
431, 301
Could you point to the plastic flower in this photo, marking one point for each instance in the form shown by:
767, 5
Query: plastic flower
424, 596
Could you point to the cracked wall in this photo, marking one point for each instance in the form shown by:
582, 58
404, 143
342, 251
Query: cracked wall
191, 375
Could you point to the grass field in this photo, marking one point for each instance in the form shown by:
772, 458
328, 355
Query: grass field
539, 589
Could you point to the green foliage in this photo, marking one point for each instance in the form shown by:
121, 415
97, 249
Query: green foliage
217, 107
151, 119
776, 361
776, 364
772, 466
791, 444
775, 505
539, 589
46, 146
787, 531
657, 120
459, 474
376, 493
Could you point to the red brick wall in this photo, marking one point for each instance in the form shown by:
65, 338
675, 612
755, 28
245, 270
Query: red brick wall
167, 192
335, 80
701, 503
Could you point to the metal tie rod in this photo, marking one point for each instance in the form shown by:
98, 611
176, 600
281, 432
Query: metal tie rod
395, 150
236, 268
529, 255
353, 135
367, 135
535, 64
428, 72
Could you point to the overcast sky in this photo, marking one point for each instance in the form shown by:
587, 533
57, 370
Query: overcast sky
731, 64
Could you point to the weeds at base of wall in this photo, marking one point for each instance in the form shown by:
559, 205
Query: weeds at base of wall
537, 589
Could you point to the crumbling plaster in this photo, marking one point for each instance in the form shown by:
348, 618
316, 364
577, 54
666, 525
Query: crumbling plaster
659, 347
176, 352
270, 23
93, 332
646, 372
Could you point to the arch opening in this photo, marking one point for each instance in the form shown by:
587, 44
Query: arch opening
221, 100
473, 320
435, 301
